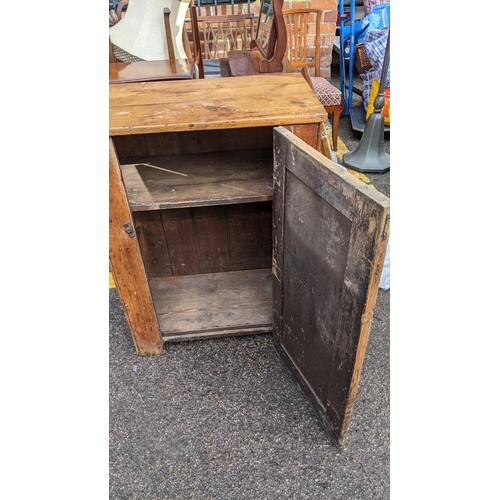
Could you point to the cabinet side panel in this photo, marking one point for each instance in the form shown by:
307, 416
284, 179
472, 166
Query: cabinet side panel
178, 226
127, 267
211, 237
152, 242
308, 133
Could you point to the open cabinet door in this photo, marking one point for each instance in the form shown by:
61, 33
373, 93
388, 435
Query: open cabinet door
330, 233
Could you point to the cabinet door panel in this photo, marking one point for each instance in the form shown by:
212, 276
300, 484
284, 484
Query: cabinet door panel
330, 233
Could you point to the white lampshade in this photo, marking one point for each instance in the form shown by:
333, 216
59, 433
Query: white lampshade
141, 32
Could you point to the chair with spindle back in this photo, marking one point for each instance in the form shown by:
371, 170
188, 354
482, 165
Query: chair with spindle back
215, 35
297, 22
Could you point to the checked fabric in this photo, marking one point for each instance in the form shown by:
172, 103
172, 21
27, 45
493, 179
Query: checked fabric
327, 94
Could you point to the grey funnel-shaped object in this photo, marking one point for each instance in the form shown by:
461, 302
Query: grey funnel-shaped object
370, 156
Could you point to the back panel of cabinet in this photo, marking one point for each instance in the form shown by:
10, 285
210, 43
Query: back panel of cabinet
202, 210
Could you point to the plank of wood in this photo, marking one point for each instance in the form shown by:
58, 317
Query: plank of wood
200, 180
131, 146
152, 242
127, 266
180, 235
205, 239
159, 145
211, 238
213, 103
331, 232
243, 236
246, 138
265, 234
135, 147
249, 228
213, 304
204, 141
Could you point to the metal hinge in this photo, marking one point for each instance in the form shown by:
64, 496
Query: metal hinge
129, 229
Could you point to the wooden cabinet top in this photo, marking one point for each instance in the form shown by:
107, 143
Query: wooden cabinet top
214, 103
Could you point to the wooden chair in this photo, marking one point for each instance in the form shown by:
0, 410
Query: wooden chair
214, 36
297, 22
195, 33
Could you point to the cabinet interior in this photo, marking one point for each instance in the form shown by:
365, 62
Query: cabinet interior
202, 208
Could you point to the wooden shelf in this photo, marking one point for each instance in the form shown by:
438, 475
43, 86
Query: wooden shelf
213, 305
181, 181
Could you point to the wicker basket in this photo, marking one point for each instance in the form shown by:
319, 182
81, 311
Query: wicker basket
361, 60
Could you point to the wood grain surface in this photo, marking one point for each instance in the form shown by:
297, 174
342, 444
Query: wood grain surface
213, 305
127, 266
217, 103
330, 234
200, 180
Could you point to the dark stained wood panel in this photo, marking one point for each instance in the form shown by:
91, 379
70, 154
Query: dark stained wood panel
243, 236
163, 144
213, 305
203, 141
200, 180
265, 234
211, 237
205, 239
330, 236
248, 138
176, 143
131, 147
316, 239
152, 242
180, 235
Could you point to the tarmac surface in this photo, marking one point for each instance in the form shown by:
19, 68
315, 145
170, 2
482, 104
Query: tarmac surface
223, 419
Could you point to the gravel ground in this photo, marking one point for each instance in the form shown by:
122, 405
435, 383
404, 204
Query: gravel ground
223, 419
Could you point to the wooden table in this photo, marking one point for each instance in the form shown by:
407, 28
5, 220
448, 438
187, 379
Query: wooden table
148, 71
